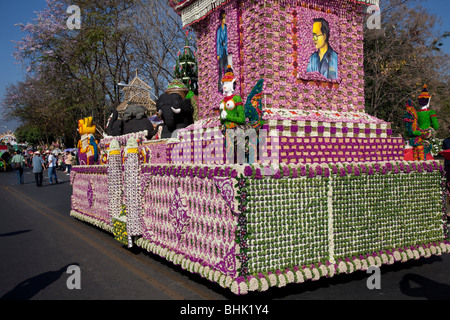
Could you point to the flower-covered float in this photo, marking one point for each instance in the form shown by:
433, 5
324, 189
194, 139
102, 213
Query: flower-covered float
300, 199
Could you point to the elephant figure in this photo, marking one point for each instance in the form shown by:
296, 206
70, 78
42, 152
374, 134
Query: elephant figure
135, 120
175, 111
114, 126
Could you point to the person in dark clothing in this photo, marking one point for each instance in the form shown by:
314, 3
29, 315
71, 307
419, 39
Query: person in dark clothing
38, 168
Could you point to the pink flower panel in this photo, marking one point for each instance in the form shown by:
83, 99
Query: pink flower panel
273, 40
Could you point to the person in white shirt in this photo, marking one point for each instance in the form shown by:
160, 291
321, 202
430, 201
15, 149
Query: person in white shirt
68, 161
51, 160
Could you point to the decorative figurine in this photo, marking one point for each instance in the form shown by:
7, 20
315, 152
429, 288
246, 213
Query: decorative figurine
421, 126
87, 145
175, 108
232, 111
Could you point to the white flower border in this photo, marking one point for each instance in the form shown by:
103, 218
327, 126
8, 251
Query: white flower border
263, 282
95, 222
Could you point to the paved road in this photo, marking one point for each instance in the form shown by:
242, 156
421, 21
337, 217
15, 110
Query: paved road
39, 241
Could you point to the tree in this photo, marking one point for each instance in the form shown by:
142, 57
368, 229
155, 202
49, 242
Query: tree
157, 38
30, 134
72, 74
400, 58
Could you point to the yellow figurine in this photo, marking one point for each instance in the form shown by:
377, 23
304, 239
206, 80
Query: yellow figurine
87, 145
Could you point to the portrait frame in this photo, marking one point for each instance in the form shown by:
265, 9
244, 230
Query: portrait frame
308, 65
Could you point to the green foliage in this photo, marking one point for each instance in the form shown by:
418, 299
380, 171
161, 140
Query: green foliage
31, 134
399, 59
75, 73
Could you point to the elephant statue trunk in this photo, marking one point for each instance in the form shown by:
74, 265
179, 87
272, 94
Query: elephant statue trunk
176, 113
114, 127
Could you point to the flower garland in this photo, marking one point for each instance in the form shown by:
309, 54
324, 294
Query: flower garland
132, 195
263, 281
93, 221
242, 232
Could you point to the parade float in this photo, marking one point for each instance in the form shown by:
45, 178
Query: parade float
279, 178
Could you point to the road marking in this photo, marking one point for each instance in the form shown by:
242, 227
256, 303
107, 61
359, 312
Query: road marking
43, 210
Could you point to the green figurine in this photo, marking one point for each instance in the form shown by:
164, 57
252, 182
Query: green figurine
421, 126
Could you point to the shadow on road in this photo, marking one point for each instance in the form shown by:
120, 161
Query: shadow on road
29, 288
415, 285
15, 233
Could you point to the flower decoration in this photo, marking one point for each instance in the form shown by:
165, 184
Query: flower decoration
254, 226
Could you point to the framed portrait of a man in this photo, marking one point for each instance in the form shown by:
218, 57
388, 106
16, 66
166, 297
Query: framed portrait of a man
325, 59
319, 37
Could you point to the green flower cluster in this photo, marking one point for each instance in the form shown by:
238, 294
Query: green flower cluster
381, 212
287, 223
307, 220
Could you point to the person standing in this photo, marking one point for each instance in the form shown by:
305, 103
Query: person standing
17, 163
38, 168
68, 161
51, 160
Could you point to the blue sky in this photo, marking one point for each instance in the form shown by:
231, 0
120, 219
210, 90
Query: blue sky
13, 12
23, 11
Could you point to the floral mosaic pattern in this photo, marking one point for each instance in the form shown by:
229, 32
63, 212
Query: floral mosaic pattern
178, 213
90, 192
252, 227
287, 218
266, 41
333, 150
192, 214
